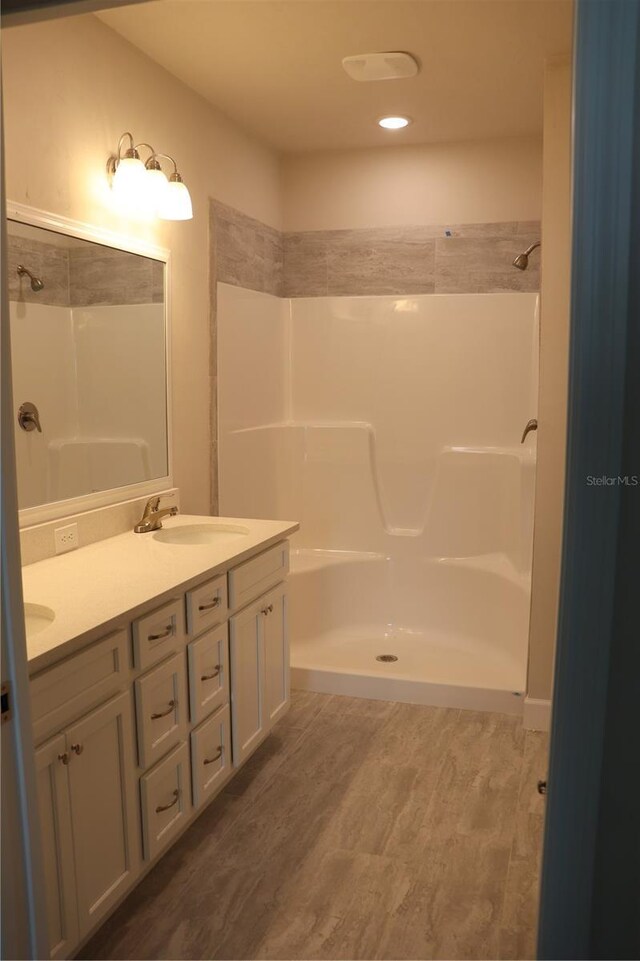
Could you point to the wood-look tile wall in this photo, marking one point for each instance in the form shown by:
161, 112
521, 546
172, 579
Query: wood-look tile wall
83, 276
49, 263
459, 258
246, 252
100, 276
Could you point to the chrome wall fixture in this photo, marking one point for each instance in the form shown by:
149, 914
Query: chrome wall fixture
36, 283
522, 260
144, 187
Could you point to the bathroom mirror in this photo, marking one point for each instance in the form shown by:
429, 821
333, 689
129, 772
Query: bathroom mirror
89, 337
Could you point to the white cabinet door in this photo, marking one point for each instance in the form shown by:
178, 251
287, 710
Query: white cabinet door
276, 654
259, 652
57, 846
104, 810
249, 724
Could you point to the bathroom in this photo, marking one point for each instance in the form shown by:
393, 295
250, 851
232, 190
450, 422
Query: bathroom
290, 535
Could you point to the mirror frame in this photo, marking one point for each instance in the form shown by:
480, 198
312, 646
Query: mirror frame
30, 516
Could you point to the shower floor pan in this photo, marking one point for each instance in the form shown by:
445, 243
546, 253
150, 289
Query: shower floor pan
466, 646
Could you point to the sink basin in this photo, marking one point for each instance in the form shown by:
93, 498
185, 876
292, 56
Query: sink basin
200, 534
37, 618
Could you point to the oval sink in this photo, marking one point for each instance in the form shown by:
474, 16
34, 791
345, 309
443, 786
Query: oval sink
37, 618
200, 535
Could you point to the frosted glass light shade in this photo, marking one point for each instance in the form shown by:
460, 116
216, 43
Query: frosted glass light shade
129, 183
176, 202
156, 184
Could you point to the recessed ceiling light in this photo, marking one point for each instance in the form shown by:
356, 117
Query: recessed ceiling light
394, 123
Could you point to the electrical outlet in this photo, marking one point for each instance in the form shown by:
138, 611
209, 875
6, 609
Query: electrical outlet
66, 538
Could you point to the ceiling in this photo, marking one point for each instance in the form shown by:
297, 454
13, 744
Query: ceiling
275, 67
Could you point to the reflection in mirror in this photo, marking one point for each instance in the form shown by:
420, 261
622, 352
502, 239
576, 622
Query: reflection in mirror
88, 347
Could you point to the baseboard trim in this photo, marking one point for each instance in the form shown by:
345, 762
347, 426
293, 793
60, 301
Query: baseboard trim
537, 714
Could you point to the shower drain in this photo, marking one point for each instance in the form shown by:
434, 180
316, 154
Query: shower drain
386, 657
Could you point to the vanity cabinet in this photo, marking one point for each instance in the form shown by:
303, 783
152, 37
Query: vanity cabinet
259, 649
89, 820
145, 726
56, 836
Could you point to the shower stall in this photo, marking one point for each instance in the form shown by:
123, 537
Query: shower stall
391, 428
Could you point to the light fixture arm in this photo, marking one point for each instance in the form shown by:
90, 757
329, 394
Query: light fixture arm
130, 153
175, 176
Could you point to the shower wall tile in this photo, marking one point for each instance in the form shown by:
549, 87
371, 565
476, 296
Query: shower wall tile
247, 253
84, 276
305, 264
468, 266
49, 263
408, 260
362, 265
420, 259
529, 227
104, 276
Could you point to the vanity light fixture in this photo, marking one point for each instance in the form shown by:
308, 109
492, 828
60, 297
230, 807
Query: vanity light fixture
145, 186
394, 123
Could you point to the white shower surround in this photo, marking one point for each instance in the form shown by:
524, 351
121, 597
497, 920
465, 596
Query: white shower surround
390, 427
95, 435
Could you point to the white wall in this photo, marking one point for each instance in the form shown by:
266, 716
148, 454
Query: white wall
71, 87
554, 375
102, 412
455, 183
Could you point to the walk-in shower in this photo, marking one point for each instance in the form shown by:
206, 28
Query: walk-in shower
391, 428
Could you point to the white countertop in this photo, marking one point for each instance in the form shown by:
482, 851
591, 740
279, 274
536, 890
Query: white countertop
95, 588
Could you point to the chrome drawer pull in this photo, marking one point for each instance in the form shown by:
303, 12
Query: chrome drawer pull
165, 807
210, 677
172, 704
168, 631
64, 758
209, 607
216, 757
77, 748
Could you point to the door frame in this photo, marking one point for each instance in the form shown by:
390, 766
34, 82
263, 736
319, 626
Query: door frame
590, 881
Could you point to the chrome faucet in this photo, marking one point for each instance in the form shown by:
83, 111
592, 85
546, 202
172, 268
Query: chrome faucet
152, 516
531, 425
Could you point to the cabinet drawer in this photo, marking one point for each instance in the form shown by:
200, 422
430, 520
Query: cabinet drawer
207, 605
257, 575
161, 709
208, 660
210, 756
158, 634
74, 686
165, 799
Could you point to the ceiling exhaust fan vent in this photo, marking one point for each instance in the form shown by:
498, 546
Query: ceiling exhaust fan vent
381, 66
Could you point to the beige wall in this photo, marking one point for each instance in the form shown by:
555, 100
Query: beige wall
458, 183
71, 87
554, 351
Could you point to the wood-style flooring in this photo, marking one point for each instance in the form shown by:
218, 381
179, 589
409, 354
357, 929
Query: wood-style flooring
360, 829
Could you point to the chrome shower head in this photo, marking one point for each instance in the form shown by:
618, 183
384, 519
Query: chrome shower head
522, 260
36, 283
